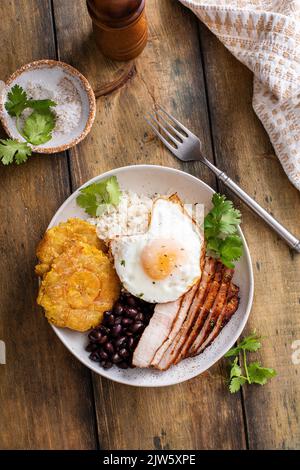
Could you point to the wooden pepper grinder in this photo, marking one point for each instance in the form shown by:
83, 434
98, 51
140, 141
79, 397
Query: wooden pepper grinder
119, 26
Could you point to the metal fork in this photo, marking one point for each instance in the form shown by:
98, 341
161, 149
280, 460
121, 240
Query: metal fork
187, 147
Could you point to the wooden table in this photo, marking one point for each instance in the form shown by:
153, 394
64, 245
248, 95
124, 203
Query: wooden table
48, 399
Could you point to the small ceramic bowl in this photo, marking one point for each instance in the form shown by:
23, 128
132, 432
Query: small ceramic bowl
51, 72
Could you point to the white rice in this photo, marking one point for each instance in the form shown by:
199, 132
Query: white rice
130, 217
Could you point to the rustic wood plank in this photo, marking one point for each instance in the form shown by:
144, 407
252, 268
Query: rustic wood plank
45, 394
243, 150
168, 72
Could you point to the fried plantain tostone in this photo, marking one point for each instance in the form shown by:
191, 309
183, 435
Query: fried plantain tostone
80, 287
57, 239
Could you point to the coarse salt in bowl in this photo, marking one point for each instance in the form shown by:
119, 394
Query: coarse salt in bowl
75, 108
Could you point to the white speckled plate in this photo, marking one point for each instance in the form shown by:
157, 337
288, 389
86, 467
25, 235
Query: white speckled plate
148, 179
50, 72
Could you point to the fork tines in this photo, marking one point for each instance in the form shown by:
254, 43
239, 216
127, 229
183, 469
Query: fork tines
164, 127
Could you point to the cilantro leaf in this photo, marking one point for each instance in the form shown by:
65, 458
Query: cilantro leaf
38, 127
235, 370
113, 190
213, 244
259, 374
223, 218
40, 105
12, 150
230, 249
220, 229
96, 198
236, 383
88, 203
16, 102
249, 343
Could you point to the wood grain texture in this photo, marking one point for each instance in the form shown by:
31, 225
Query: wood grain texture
45, 394
168, 72
243, 150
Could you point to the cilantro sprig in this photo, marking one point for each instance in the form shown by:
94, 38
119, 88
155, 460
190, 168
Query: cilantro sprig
97, 197
220, 229
14, 151
37, 128
244, 372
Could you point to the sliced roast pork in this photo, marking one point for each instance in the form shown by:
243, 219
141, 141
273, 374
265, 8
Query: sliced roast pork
156, 332
203, 312
229, 308
174, 347
214, 312
232, 305
185, 305
208, 275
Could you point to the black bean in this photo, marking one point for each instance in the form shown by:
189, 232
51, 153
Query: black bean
109, 348
103, 355
137, 327
107, 314
118, 320
124, 297
116, 330
103, 339
140, 317
127, 321
106, 364
94, 356
132, 301
131, 312
91, 347
123, 353
120, 341
111, 320
104, 330
130, 342
129, 333
118, 308
94, 336
116, 358
123, 365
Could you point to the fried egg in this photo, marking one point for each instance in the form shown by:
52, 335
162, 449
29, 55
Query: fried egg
163, 263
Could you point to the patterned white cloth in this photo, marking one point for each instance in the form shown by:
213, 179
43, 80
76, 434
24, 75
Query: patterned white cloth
265, 36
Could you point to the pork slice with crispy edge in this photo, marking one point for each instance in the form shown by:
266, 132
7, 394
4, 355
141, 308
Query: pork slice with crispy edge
208, 274
230, 307
185, 305
214, 312
156, 332
175, 346
201, 313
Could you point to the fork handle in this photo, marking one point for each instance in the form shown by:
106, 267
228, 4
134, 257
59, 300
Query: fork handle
287, 236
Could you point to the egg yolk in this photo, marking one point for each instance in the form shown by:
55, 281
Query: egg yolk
160, 258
